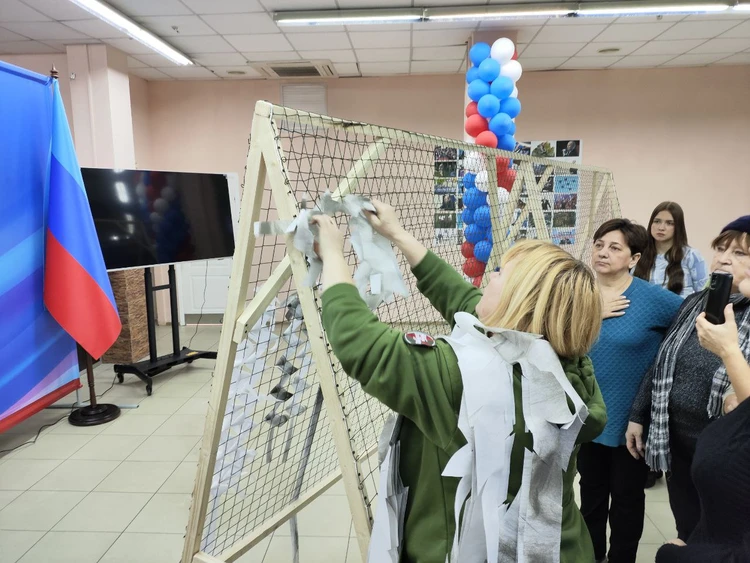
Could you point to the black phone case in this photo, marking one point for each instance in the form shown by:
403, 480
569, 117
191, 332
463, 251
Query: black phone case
719, 291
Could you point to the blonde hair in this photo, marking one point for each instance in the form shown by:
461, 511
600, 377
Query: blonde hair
548, 292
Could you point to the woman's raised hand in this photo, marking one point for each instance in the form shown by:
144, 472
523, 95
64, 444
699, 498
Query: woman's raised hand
384, 220
330, 238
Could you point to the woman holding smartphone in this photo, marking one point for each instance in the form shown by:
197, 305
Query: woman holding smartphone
685, 388
721, 467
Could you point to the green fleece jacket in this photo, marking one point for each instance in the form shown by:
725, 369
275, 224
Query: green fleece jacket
424, 384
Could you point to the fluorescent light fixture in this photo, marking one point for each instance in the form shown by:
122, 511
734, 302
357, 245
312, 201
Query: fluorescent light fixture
349, 17
129, 27
507, 11
645, 8
742, 7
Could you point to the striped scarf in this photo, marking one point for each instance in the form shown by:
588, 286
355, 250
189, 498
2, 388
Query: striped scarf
657, 445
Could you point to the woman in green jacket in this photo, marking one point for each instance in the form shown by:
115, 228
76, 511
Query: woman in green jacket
540, 290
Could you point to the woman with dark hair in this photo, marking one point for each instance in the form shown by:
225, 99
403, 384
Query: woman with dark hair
636, 316
667, 260
685, 388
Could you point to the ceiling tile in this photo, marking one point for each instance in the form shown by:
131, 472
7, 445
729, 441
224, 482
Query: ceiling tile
694, 60
135, 63
728, 15
382, 55
6, 35
642, 61
438, 53
224, 71
377, 69
43, 30
63, 44
672, 18
25, 48
669, 47
238, 24
633, 31
728, 46
57, 10
568, 33
553, 49
220, 59
223, 6
375, 39
164, 26
188, 72
438, 37
588, 20
95, 28
137, 8
376, 27
298, 4
277, 56
311, 41
15, 11
130, 46
591, 50
340, 56
435, 67
543, 63
740, 59
153, 60
293, 29
742, 30
201, 44
260, 43
523, 34
347, 69
589, 62
149, 74
515, 23
697, 30
427, 26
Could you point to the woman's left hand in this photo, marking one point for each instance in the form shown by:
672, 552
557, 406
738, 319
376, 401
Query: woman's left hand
719, 339
677, 541
330, 240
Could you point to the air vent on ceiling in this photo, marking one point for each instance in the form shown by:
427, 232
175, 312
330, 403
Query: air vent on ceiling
297, 69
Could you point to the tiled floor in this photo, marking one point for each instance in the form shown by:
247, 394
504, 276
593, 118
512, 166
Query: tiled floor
120, 492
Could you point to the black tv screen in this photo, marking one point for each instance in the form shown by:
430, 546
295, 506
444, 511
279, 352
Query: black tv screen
148, 217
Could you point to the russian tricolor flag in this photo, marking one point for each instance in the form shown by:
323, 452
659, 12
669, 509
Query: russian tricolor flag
77, 292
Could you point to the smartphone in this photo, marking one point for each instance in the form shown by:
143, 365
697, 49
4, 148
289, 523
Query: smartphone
719, 291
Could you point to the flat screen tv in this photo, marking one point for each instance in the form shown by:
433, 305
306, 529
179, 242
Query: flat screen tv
150, 217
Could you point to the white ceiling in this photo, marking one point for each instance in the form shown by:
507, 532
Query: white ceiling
227, 35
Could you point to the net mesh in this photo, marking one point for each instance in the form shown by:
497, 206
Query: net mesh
276, 442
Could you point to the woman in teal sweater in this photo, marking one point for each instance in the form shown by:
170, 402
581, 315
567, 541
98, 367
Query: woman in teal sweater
541, 290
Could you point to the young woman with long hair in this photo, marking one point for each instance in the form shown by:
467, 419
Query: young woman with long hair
667, 260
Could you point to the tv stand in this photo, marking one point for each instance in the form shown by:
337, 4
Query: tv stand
147, 369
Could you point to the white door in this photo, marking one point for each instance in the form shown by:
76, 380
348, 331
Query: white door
203, 285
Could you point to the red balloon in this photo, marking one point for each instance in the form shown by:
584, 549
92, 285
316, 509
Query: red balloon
486, 139
467, 249
471, 109
515, 56
475, 125
474, 268
502, 164
477, 281
507, 179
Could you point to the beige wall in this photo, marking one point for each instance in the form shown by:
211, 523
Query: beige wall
141, 121
666, 134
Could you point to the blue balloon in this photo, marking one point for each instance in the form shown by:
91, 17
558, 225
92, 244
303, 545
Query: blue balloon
502, 87
468, 216
501, 124
489, 70
512, 130
482, 251
482, 216
469, 180
477, 89
511, 106
488, 105
488, 237
472, 74
479, 52
506, 143
474, 233
473, 198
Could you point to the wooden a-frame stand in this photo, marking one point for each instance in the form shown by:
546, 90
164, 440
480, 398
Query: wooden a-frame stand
265, 163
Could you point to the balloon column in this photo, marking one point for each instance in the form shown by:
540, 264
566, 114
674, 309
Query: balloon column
490, 120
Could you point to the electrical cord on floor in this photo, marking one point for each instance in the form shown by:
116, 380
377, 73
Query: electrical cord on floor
203, 305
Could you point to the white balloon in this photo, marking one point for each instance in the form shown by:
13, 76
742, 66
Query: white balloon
515, 92
161, 205
512, 70
482, 181
503, 196
503, 50
473, 162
